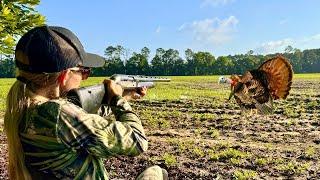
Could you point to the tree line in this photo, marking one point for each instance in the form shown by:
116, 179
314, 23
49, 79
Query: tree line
168, 62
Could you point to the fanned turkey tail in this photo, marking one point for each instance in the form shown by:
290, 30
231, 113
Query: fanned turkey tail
279, 75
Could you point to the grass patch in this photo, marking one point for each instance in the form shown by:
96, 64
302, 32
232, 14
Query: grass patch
198, 152
244, 174
169, 159
293, 167
310, 152
227, 154
182, 145
262, 161
214, 133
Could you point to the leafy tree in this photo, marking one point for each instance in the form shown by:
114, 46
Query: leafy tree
203, 63
145, 52
178, 67
114, 63
157, 63
7, 67
310, 58
114, 66
288, 49
113, 53
170, 58
167, 62
250, 52
295, 57
16, 18
296, 60
316, 63
191, 64
173, 62
244, 62
224, 65
137, 64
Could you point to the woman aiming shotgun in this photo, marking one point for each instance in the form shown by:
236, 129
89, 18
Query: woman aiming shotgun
48, 136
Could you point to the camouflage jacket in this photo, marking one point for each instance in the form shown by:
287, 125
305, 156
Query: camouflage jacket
61, 140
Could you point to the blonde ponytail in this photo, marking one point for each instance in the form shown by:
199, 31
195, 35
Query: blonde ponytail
17, 102
19, 98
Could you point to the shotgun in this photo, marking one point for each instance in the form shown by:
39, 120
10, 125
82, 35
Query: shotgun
90, 98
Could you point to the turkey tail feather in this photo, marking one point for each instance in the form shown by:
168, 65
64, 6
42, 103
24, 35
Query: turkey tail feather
279, 74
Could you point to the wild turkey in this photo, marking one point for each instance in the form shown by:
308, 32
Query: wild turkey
256, 89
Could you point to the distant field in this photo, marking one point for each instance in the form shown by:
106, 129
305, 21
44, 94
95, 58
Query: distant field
180, 87
194, 134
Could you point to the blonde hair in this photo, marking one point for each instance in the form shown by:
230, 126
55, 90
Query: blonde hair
20, 98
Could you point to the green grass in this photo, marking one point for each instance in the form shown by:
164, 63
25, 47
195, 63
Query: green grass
5, 84
214, 133
293, 167
244, 174
169, 159
262, 161
226, 154
180, 87
309, 76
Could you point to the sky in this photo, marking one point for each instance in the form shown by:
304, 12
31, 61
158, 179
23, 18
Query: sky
221, 27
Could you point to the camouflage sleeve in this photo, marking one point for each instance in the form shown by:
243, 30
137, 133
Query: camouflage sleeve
80, 130
104, 110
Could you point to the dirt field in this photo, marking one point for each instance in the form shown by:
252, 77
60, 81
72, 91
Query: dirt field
196, 136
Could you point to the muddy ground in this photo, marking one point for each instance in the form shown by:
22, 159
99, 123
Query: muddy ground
206, 138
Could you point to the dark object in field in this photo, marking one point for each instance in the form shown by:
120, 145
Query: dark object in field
256, 89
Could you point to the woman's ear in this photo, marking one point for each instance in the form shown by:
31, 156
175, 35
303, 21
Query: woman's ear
62, 79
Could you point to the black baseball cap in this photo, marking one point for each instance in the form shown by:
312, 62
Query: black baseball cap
52, 49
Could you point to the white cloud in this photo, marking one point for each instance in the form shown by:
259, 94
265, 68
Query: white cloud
211, 31
183, 27
215, 3
312, 38
283, 21
274, 46
158, 29
280, 45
